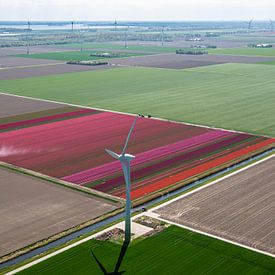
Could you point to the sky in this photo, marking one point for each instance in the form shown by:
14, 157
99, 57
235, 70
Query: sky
136, 10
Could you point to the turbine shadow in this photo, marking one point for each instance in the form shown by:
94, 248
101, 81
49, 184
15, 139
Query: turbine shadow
118, 263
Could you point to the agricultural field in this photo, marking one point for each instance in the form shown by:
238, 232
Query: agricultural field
33, 209
130, 47
9, 62
12, 106
33, 49
53, 67
230, 96
269, 62
70, 143
256, 38
174, 249
73, 55
245, 51
181, 61
239, 208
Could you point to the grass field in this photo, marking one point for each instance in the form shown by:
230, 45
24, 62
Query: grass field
144, 48
173, 251
231, 96
72, 55
269, 62
245, 51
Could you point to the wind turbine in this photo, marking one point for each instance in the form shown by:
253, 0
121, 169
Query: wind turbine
125, 160
80, 39
162, 36
115, 25
271, 25
28, 38
250, 24
125, 37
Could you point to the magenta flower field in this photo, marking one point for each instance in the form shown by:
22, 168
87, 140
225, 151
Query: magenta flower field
73, 149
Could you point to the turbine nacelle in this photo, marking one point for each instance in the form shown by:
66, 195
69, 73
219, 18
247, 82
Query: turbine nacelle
121, 157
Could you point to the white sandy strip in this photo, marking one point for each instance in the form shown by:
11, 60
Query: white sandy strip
32, 66
124, 113
136, 228
154, 215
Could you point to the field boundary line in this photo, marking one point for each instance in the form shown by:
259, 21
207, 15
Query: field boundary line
157, 216
211, 183
131, 114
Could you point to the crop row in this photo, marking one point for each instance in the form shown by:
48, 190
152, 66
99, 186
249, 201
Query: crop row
144, 157
69, 146
168, 181
46, 119
186, 156
73, 149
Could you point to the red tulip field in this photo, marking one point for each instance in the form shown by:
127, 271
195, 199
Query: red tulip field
73, 149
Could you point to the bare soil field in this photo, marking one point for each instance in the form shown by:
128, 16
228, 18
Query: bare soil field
13, 105
177, 61
11, 62
33, 49
210, 41
32, 209
239, 208
41, 70
186, 44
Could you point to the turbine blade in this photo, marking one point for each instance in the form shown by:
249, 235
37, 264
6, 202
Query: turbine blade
112, 154
129, 135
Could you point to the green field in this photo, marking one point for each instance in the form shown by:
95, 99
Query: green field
231, 96
173, 251
143, 48
269, 62
245, 51
73, 55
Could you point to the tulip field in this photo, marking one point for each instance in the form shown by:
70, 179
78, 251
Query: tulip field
71, 146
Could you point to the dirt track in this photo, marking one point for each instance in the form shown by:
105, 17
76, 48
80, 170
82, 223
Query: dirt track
12, 105
177, 61
240, 208
31, 209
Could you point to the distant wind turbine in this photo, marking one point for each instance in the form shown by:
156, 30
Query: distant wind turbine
125, 37
28, 38
162, 36
271, 25
80, 38
125, 160
115, 24
250, 24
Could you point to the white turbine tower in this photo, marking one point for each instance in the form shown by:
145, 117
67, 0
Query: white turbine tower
125, 160
28, 36
162, 36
